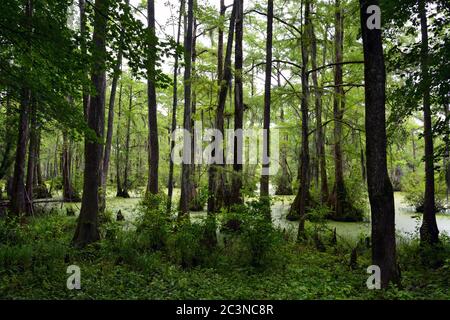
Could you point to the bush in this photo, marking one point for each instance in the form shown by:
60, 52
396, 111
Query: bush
200, 199
106, 216
250, 234
11, 231
190, 244
123, 247
154, 225
16, 258
411, 252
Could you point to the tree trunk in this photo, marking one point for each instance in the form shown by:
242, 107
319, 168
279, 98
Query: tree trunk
126, 182
119, 192
235, 196
153, 150
447, 148
363, 165
32, 146
429, 232
8, 149
381, 195
216, 175
109, 132
264, 183
300, 206
55, 169
194, 204
40, 189
69, 194
284, 186
83, 47
186, 167
18, 203
174, 110
342, 208
285, 182
87, 227
338, 113
318, 92
220, 44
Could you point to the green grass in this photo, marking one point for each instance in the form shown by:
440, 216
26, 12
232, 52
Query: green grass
34, 258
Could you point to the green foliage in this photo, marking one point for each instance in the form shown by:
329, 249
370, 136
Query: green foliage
33, 264
415, 194
157, 256
411, 252
253, 236
200, 199
318, 214
10, 231
357, 196
154, 225
189, 245
106, 216
38, 247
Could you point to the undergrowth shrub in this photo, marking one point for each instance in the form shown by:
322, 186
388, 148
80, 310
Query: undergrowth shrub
121, 246
199, 201
250, 237
106, 216
40, 244
412, 253
190, 244
154, 225
11, 232
16, 258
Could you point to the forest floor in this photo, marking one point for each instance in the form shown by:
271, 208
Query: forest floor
127, 265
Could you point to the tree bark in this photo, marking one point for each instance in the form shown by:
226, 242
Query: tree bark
153, 154
186, 167
447, 148
18, 204
342, 208
264, 183
174, 110
216, 179
381, 195
31, 166
220, 43
126, 182
285, 181
429, 233
109, 132
300, 205
87, 227
338, 112
83, 47
194, 204
318, 92
235, 196
69, 194
40, 188
119, 192
8, 149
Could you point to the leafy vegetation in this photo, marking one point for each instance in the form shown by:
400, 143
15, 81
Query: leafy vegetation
126, 265
107, 100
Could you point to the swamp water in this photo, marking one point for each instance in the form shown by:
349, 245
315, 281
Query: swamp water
407, 221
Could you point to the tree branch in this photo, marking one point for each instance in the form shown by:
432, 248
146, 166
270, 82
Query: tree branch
334, 64
276, 18
274, 61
